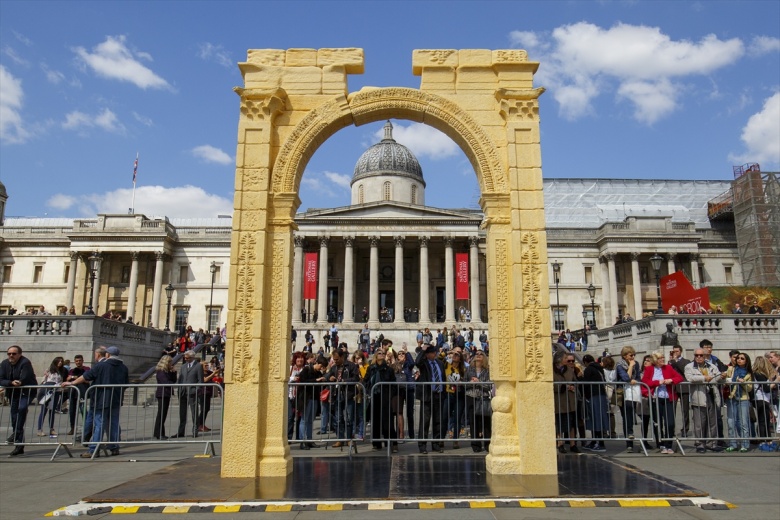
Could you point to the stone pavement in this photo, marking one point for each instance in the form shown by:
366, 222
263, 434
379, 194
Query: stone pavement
32, 486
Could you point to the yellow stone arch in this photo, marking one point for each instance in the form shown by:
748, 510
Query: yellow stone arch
294, 100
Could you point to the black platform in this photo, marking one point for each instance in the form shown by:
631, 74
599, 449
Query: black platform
393, 478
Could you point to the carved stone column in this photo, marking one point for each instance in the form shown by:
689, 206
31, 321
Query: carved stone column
133, 289
613, 292
349, 279
159, 258
425, 285
297, 294
399, 280
322, 288
70, 291
670, 258
637, 283
476, 315
695, 270
373, 286
449, 281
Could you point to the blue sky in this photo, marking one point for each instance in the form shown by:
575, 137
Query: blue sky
634, 90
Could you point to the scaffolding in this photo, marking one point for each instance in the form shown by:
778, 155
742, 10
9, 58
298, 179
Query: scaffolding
756, 206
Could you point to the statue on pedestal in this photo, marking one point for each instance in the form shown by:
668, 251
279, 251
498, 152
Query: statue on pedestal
669, 338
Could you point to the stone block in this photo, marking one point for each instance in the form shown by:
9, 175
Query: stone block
525, 179
479, 75
475, 58
302, 80
531, 219
509, 56
300, 58
352, 59
432, 58
262, 77
255, 155
269, 57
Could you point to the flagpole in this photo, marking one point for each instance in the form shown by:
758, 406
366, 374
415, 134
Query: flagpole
135, 171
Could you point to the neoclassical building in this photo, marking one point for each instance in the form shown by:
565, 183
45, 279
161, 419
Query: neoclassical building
387, 257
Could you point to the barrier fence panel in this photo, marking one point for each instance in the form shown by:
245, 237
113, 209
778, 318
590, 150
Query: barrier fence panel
40, 415
607, 410
151, 414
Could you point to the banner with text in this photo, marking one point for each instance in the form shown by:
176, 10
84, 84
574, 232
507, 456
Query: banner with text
310, 272
461, 276
677, 290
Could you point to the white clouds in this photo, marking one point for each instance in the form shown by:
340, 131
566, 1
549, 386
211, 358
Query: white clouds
105, 120
339, 179
182, 201
639, 62
211, 154
11, 53
761, 135
12, 129
216, 53
326, 184
52, 76
112, 59
146, 121
761, 45
422, 140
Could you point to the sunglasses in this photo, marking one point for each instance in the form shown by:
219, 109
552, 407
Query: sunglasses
570, 361
698, 355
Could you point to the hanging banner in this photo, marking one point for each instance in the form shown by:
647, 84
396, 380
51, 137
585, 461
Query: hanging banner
310, 272
461, 276
677, 290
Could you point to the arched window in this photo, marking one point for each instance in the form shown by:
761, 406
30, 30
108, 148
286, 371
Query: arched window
414, 194
386, 191
360, 194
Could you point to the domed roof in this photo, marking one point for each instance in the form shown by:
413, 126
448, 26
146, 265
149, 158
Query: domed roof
387, 157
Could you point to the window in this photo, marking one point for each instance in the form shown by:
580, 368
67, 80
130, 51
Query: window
66, 273
360, 194
590, 318
213, 320
588, 274
7, 273
37, 274
559, 318
180, 319
125, 274
644, 274
727, 268
184, 273
414, 194
386, 191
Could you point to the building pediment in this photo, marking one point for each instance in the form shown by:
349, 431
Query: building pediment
387, 211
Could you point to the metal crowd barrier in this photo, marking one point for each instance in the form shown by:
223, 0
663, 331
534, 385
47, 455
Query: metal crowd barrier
42, 416
608, 410
155, 414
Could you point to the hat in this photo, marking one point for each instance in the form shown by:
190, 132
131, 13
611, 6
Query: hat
114, 351
430, 349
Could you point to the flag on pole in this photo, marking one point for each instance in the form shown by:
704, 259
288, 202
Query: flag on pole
135, 168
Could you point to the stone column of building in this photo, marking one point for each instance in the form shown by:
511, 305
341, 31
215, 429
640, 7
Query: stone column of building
297, 295
613, 293
74, 265
159, 258
670, 263
476, 316
449, 281
398, 316
322, 288
695, 270
96, 287
133, 289
373, 286
425, 316
605, 303
637, 284
349, 280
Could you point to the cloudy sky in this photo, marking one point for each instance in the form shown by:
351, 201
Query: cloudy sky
634, 90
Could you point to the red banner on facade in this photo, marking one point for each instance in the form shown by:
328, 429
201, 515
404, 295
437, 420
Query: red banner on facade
677, 290
461, 276
310, 273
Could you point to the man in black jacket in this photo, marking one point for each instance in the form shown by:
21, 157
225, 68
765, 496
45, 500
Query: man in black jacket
16, 372
342, 396
432, 398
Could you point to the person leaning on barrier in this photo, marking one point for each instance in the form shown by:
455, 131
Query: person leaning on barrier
165, 375
662, 380
190, 373
478, 402
382, 417
307, 396
597, 417
629, 373
107, 401
683, 391
16, 372
431, 370
738, 403
705, 400
74, 406
565, 400
762, 372
342, 396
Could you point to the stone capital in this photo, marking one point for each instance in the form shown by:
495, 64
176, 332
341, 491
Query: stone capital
474, 241
74, 255
323, 241
299, 240
399, 241
424, 240
635, 257
374, 241
448, 242
695, 257
349, 241
159, 256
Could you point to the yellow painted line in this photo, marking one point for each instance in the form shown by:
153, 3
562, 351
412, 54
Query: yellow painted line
176, 509
330, 507
644, 503
380, 506
431, 505
582, 503
124, 510
207, 456
532, 503
731, 506
278, 508
227, 509
482, 504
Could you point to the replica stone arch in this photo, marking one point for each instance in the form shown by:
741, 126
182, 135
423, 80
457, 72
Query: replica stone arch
291, 102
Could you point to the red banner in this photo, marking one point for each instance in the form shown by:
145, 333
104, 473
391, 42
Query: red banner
310, 272
461, 276
677, 290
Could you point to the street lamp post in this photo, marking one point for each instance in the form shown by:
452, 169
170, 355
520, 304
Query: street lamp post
656, 260
592, 294
556, 273
94, 265
213, 269
169, 294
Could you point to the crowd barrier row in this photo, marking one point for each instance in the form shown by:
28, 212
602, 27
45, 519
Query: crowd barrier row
123, 415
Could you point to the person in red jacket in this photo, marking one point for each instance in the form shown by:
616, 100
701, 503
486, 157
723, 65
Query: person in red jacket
661, 378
